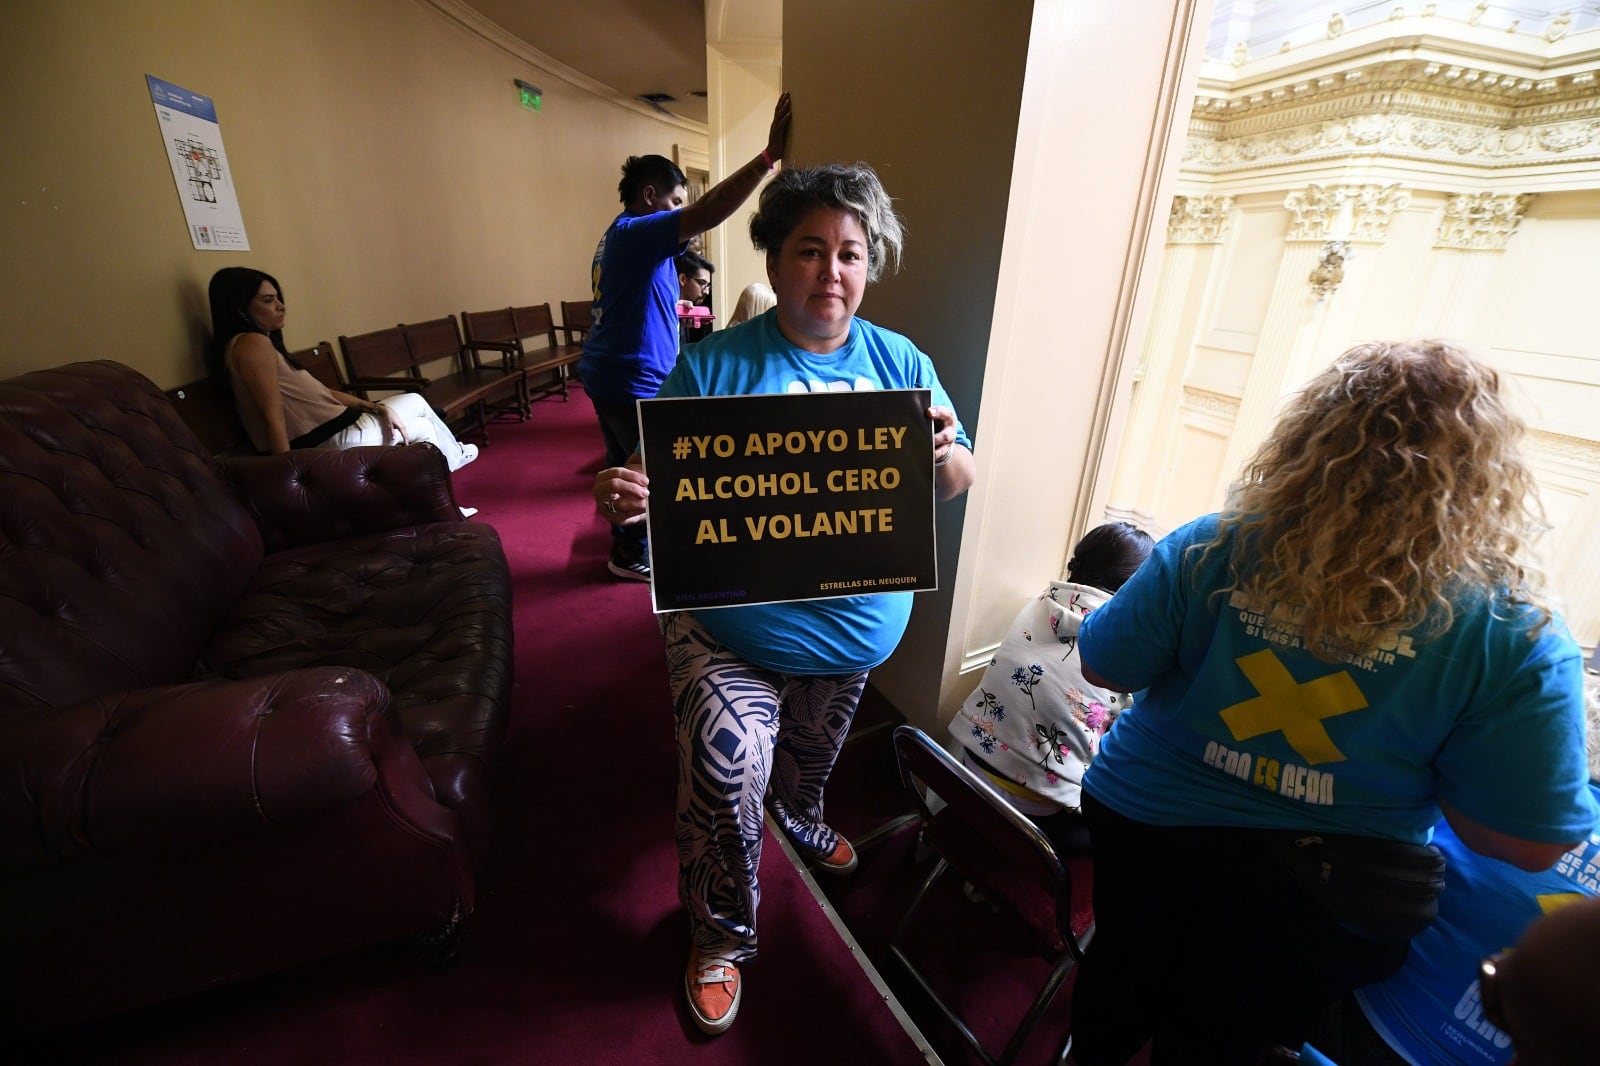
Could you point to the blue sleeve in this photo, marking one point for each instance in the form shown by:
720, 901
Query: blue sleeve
941, 398
641, 242
1517, 761
1135, 638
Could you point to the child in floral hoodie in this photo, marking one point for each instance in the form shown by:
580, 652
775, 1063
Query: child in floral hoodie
1034, 723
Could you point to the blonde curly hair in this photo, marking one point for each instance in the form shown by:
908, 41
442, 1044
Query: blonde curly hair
1392, 486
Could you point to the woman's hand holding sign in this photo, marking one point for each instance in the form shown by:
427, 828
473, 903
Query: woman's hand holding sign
620, 492
953, 467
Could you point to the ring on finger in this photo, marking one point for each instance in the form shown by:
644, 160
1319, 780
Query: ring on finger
611, 507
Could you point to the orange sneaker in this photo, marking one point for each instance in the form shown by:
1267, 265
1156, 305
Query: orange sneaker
841, 860
713, 987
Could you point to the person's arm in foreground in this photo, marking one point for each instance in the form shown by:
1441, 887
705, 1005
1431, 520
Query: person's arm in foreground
1530, 855
724, 198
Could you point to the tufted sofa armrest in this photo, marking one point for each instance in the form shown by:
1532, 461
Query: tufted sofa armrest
162, 770
314, 495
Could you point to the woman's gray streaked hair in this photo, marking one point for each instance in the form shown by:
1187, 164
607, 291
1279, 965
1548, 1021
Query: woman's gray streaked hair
852, 187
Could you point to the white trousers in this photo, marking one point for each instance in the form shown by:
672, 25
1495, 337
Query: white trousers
421, 424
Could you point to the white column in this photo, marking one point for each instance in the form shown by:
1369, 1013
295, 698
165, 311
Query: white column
1289, 310
1197, 225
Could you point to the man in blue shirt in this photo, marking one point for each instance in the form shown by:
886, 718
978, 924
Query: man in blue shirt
634, 341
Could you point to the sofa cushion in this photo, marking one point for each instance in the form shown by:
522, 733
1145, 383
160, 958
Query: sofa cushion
427, 609
123, 545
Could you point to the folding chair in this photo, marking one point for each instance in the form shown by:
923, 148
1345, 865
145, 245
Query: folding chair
989, 843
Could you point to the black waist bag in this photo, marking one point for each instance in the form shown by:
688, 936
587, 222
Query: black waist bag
1386, 891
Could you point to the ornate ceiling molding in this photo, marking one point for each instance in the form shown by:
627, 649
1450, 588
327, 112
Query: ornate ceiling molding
1403, 100
1481, 221
1395, 136
1199, 219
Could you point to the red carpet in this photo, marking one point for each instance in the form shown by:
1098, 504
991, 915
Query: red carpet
576, 952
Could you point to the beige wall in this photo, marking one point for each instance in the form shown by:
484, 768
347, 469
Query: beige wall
744, 81
1021, 261
385, 170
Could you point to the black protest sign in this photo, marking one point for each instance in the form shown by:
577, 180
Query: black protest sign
800, 496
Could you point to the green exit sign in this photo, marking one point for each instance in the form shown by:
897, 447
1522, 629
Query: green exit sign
531, 96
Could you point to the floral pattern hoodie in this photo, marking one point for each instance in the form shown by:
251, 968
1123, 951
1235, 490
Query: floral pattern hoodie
1033, 717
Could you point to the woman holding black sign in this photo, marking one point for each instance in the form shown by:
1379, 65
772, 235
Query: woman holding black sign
765, 693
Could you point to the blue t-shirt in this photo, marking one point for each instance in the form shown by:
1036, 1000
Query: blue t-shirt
1431, 1011
832, 636
634, 340
1242, 726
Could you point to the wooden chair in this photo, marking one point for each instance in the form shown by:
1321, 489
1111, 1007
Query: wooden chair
470, 387
380, 362
323, 364
577, 319
392, 360
1005, 856
544, 370
206, 407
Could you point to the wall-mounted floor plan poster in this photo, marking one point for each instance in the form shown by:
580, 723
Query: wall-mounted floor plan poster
193, 141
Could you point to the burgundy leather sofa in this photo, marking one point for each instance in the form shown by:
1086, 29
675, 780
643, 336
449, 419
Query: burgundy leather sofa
247, 706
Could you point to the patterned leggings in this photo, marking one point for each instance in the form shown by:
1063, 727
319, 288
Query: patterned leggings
739, 728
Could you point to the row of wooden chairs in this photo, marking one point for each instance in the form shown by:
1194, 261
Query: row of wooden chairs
468, 391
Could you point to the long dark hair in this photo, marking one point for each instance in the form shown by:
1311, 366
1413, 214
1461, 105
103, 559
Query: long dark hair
230, 292
1108, 555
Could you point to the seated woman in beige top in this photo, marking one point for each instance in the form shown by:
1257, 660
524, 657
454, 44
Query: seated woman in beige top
282, 405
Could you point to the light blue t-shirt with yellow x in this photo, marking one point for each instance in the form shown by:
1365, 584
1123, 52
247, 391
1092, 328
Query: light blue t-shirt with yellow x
1242, 726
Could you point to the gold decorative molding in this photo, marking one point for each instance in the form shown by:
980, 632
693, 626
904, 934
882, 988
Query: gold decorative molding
1344, 212
1481, 221
1372, 206
1199, 219
1485, 144
1314, 212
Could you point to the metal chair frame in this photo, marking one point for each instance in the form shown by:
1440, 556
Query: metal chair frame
924, 763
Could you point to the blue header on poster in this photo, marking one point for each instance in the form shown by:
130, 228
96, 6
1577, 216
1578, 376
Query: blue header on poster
178, 98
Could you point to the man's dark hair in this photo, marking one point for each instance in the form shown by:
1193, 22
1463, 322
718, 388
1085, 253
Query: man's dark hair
691, 263
642, 170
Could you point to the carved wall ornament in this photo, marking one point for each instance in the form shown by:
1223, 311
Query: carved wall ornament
1560, 446
1329, 271
1199, 219
1372, 206
1558, 27
1335, 25
1483, 221
1212, 403
1344, 212
1314, 212
1394, 136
